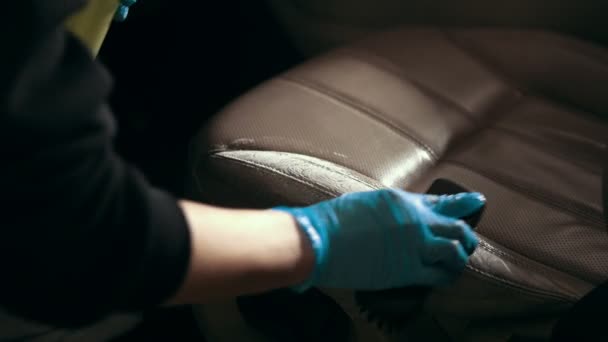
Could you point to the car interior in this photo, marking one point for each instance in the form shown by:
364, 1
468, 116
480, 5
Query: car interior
260, 103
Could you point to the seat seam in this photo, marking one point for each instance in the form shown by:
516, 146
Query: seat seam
484, 59
459, 43
371, 186
217, 179
488, 66
521, 259
532, 141
568, 107
497, 252
325, 190
536, 196
522, 289
491, 67
367, 110
261, 167
572, 43
295, 155
479, 123
511, 284
386, 65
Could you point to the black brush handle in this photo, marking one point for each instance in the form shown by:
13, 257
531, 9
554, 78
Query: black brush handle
411, 299
446, 187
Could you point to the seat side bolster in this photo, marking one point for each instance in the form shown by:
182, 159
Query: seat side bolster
270, 178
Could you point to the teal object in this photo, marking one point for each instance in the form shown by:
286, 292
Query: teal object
122, 12
388, 239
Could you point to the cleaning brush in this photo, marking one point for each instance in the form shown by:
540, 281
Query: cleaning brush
393, 310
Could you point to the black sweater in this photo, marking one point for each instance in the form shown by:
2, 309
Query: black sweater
82, 234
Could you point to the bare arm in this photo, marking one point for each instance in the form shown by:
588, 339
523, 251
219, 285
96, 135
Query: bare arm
236, 252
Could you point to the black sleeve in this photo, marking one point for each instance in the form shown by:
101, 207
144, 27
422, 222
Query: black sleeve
82, 235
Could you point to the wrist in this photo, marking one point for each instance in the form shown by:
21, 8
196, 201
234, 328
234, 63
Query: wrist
312, 243
301, 253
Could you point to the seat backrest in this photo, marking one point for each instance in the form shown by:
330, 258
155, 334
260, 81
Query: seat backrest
605, 191
316, 25
496, 111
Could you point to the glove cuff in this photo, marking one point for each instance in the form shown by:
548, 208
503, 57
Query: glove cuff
316, 239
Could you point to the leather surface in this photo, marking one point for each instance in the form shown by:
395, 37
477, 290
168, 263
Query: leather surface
516, 115
317, 25
605, 187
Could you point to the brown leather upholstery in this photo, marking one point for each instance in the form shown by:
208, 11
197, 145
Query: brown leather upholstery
317, 25
515, 115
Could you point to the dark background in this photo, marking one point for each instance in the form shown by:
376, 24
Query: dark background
176, 63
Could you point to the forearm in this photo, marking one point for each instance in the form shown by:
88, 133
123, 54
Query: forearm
238, 252
87, 234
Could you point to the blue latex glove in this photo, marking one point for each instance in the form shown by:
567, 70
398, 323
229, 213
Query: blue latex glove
388, 239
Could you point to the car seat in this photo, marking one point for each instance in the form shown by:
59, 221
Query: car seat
518, 115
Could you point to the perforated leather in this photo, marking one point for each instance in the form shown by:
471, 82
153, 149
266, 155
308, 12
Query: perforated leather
516, 115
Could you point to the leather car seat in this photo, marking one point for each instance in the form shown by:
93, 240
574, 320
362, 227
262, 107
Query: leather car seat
316, 25
516, 115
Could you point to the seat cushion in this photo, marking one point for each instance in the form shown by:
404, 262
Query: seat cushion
517, 115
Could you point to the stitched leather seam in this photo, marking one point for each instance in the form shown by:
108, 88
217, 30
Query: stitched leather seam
362, 108
536, 195
223, 184
570, 43
490, 67
570, 107
318, 165
526, 264
536, 142
509, 99
371, 186
385, 64
521, 261
261, 168
197, 180
525, 290
485, 60
491, 249
582, 51
269, 169
498, 253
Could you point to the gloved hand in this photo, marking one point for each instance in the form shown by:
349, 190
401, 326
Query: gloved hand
388, 239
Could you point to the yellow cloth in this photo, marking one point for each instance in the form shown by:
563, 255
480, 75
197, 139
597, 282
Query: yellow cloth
92, 23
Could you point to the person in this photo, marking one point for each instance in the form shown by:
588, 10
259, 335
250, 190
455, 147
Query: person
85, 236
